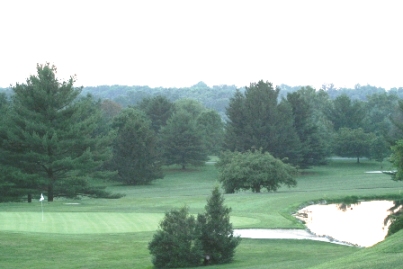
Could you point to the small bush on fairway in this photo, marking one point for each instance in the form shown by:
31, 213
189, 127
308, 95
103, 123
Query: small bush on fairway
177, 243
184, 242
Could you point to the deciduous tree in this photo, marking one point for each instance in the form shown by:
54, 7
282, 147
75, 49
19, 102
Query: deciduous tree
353, 143
254, 170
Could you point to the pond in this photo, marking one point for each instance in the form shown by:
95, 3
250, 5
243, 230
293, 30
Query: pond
361, 224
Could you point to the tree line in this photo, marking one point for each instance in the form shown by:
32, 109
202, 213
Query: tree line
55, 140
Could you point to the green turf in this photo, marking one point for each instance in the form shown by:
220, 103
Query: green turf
103, 233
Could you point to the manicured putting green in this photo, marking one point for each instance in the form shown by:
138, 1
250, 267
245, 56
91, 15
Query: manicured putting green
88, 223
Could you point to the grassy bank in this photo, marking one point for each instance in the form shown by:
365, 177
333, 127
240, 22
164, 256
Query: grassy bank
101, 233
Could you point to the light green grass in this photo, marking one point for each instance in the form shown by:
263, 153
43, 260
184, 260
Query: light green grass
89, 223
103, 233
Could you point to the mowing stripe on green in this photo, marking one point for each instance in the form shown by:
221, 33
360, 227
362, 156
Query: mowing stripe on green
88, 223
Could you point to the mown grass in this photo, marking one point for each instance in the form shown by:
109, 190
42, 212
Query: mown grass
103, 233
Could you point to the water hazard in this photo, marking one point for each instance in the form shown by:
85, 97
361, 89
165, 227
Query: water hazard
361, 224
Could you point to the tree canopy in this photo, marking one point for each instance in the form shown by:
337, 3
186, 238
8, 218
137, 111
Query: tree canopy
254, 170
256, 120
135, 154
353, 143
49, 141
182, 141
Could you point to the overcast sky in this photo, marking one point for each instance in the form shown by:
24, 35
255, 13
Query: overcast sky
179, 43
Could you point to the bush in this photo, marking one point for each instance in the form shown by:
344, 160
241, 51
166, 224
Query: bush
177, 242
184, 242
254, 170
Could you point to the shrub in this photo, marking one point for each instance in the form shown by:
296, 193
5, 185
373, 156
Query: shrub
177, 243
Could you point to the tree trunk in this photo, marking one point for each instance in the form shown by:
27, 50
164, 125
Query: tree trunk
50, 192
256, 188
358, 159
29, 197
183, 167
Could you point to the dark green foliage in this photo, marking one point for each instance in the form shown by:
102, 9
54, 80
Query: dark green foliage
346, 113
193, 107
217, 234
353, 143
256, 120
159, 109
396, 225
182, 241
379, 149
135, 154
49, 141
254, 170
397, 160
311, 126
396, 217
210, 124
176, 243
378, 109
182, 141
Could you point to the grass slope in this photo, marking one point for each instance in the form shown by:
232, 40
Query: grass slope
101, 233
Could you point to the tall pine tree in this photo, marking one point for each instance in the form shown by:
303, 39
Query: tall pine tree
135, 154
50, 144
257, 121
182, 141
217, 234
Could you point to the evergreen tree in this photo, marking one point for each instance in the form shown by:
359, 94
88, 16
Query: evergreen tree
176, 243
217, 234
49, 140
159, 109
256, 120
212, 127
182, 141
135, 154
310, 126
235, 128
191, 106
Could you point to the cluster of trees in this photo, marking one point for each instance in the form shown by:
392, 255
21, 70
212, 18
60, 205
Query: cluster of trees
54, 140
185, 241
307, 126
301, 129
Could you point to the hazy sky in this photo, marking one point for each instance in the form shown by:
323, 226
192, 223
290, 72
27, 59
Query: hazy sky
179, 43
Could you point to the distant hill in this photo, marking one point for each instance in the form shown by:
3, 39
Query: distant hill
215, 97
